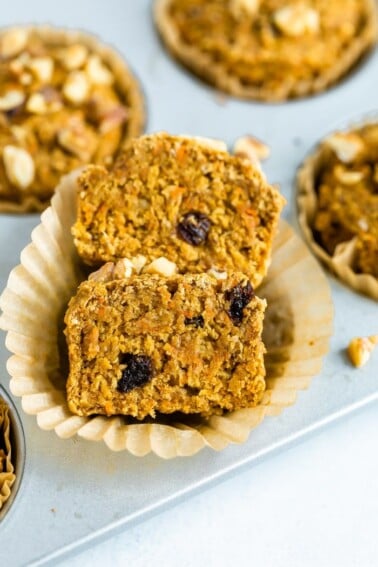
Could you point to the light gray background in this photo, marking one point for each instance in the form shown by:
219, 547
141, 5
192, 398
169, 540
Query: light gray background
313, 505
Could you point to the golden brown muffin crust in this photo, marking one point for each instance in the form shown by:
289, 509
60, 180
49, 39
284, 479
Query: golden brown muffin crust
65, 100
268, 49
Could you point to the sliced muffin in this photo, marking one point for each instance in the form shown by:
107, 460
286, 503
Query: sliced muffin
180, 198
141, 344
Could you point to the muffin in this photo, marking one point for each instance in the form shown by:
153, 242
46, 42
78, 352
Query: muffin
180, 198
141, 344
65, 100
7, 476
269, 50
338, 204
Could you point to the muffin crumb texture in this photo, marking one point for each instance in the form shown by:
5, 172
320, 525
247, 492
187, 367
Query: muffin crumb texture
148, 344
347, 196
173, 197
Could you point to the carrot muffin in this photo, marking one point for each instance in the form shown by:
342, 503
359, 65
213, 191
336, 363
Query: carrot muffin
65, 100
7, 476
338, 198
268, 49
180, 198
145, 343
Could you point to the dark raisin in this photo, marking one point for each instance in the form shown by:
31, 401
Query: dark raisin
238, 297
138, 371
194, 228
196, 321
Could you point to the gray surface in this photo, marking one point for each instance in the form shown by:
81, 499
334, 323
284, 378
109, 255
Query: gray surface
75, 492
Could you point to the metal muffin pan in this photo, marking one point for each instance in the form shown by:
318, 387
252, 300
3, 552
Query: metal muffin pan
17, 439
76, 492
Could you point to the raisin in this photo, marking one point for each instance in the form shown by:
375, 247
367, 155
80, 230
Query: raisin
138, 371
196, 321
194, 228
238, 297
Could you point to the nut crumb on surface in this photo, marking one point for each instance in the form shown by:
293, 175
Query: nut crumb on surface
360, 349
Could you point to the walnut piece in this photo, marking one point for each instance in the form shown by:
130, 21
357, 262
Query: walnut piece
42, 68
74, 56
348, 177
161, 266
12, 42
346, 145
296, 20
97, 72
360, 349
19, 166
240, 8
76, 87
11, 99
251, 148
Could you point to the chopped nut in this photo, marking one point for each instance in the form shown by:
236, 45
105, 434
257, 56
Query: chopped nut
251, 148
103, 274
17, 66
76, 87
97, 72
11, 99
161, 266
216, 274
19, 166
363, 224
114, 118
297, 20
12, 42
138, 262
123, 269
36, 104
241, 7
26, 79
19, 133
348, 177
346, 145
77, 139
42, 67
360, 349
74, 56
212, 143
43, 102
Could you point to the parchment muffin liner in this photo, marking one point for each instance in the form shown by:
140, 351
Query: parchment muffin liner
204, 66
297, 327
342, 262
7, 475
127, 85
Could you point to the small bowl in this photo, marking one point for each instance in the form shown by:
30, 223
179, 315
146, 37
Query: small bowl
17, 438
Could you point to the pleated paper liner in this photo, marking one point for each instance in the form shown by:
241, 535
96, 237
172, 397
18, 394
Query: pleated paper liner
343, 260
7, 476
297, 330
127, 85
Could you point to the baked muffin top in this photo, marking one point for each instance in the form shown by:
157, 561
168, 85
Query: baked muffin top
268, 49
65, 100
347, 195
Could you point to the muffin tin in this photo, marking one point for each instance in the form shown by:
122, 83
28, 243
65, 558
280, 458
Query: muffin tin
76, 492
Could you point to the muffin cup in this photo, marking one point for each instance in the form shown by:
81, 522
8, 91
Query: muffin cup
125, 80
12, 435
296, 333
342, 262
